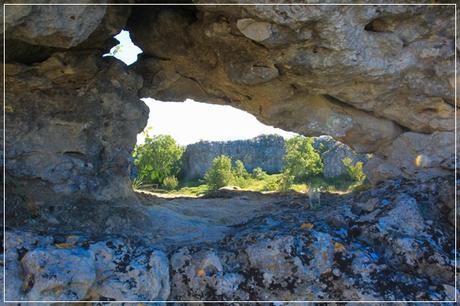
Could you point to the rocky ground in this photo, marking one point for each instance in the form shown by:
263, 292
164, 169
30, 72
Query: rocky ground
393, 242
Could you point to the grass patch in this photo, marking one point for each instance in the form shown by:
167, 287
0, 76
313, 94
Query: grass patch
270, 182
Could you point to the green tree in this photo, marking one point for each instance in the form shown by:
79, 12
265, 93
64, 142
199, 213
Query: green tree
240, 170
157, 158
220, 174
301, 160
259, 174
355, 171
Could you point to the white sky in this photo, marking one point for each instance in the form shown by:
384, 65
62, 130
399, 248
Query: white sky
127, 51
189, 122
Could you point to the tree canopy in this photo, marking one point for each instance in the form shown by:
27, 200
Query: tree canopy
159, 157
301, 160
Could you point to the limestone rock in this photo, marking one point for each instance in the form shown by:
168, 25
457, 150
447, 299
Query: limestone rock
366, 75
258, 31
333, 153
90, 120
58, 274
124, 275
52, 26
44, 268
266, 152
358, 258
414, 155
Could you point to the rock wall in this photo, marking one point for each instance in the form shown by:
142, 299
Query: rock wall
266, 152
374, 77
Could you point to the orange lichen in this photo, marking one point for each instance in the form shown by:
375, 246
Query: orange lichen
200, 273
338, 247
64, 245
307, 226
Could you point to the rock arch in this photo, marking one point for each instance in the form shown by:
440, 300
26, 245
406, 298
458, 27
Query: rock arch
379, 78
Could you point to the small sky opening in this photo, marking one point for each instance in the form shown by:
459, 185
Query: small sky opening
189, 122
126, 51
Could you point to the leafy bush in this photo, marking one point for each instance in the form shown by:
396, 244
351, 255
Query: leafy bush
271, 186
259, 174
240, 171
285, 182
170, 183
157, 158
354, 171
301, 160
220, 174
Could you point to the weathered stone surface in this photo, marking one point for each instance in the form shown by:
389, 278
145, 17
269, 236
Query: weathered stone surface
52, 26
76, 268
386, 253
72, 122
414, 155
125, 274
266, 152
58, 274
393, 242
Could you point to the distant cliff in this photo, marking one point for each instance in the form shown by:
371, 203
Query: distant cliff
266, 152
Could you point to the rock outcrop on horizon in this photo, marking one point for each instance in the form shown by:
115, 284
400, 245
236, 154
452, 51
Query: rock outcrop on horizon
265, 151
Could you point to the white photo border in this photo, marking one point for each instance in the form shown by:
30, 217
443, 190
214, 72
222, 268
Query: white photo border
226, 4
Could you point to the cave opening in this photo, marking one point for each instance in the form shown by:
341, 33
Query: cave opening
184, 143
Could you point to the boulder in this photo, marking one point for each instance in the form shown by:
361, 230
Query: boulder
333, 153
50, 268
58, 274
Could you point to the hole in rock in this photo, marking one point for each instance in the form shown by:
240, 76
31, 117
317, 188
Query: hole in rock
126, 51
194, 149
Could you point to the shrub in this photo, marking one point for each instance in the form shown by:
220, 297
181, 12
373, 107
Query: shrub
259, 174
240, 171
220, 174
285, 182
170, 183
301, 160
355, 172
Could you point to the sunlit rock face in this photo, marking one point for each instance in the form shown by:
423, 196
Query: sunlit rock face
366, 75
